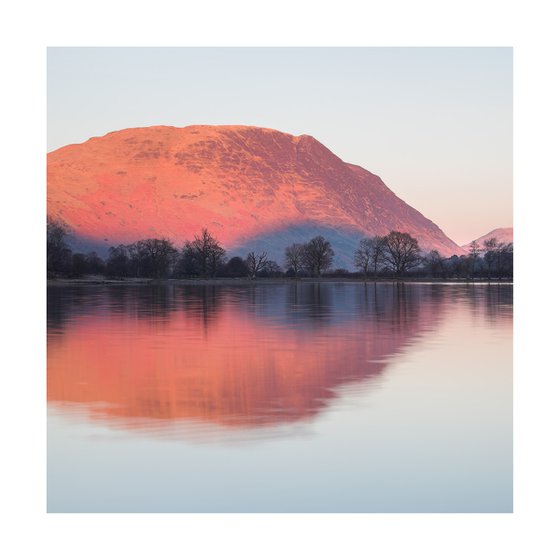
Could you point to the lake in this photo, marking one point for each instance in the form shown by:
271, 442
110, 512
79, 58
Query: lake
307, 397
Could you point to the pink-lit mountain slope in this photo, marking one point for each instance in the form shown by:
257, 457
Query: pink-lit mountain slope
253, 188
503, 235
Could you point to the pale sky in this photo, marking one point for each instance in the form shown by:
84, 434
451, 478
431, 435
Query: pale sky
434, 123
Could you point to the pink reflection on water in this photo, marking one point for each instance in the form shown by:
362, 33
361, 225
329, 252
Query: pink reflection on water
242, 372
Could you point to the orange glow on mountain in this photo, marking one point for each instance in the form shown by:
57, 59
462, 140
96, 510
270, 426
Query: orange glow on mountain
242, 183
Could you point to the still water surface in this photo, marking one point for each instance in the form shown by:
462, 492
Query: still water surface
332, 397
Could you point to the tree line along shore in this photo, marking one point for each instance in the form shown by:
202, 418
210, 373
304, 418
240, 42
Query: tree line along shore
396, 255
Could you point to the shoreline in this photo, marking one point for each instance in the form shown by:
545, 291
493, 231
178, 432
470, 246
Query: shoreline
99, 281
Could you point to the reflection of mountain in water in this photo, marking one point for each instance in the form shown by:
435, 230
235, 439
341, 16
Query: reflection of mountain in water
245, 357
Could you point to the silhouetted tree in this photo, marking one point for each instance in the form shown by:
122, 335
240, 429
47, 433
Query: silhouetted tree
490, 246
369, 255
434, 262
317, 255
294, 257
474, 251
79, 265
94, 263
135, 259
59, 255
186, 264
255, 263
463, 267
402, 252
504, 260
451, 265
341, 273
207, 253
271, 269
118, 263
236, 267
156, 256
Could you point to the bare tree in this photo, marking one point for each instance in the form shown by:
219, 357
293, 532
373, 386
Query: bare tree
369, 254
318, 255
156, 256
256, 263
207, 253
294, 257
402, 252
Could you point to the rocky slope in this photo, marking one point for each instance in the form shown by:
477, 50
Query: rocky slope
253, 188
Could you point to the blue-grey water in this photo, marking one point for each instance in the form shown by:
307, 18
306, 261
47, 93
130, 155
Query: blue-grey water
315, 397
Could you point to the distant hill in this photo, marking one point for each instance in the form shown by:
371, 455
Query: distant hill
253, 188
503, 235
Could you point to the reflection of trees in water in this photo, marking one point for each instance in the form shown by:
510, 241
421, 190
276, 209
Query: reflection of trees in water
373, 300
399, 311
249, 369
58, 311
493, 302
318, 304
298, 304
253, 298
156, 302
498, 302
396, 303
203, 303
149, 303
402, 302
405, 305
308, 302
64, 303
241, 373
269, 355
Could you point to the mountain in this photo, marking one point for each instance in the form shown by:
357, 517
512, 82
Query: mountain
503, 235
253, 188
